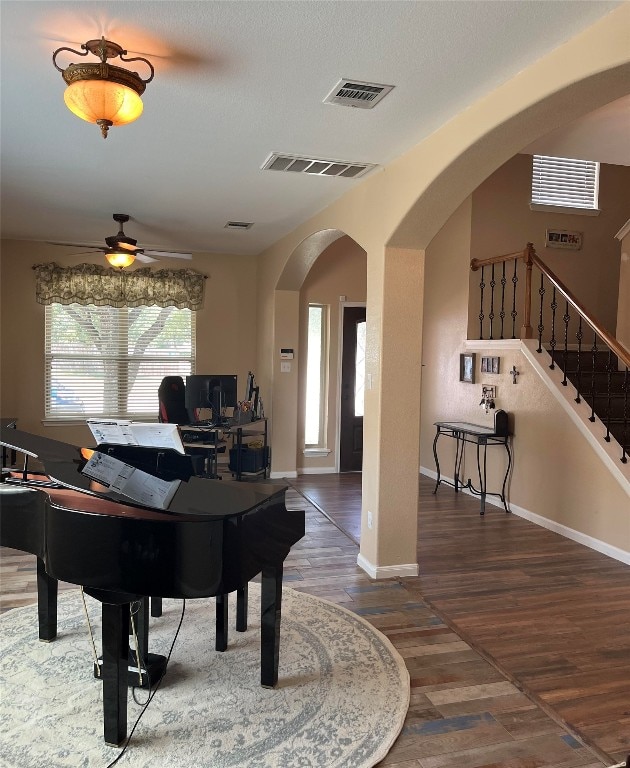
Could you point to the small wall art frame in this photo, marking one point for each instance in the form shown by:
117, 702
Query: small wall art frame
563, 238
490, 364
467, 367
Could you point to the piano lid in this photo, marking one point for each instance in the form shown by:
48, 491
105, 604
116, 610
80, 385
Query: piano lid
100, 474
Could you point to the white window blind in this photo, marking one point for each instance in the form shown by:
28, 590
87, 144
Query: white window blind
316, 377
564, 182
109, 361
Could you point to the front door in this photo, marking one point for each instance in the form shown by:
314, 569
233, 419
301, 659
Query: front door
352, 389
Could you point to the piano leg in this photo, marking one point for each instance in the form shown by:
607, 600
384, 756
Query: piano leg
46, 603
241, 609
270, 610
156, 606
221, 623
114, 671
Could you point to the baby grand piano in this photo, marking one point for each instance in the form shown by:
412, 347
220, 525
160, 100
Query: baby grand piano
201, 538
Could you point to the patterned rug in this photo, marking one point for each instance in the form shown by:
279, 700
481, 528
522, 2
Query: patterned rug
341, 699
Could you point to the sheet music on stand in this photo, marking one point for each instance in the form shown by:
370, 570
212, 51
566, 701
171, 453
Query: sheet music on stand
146, 435
134, 483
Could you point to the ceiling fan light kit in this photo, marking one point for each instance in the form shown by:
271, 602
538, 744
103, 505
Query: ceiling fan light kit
102, 93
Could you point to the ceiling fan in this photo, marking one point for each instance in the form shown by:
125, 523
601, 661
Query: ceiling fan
121, 250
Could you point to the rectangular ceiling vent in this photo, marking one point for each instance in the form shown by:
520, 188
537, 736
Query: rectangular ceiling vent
315, 166
239, 225
354, 93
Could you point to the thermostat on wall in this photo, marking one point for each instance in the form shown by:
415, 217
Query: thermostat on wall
286, 354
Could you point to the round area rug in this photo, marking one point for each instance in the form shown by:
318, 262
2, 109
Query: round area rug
340, 702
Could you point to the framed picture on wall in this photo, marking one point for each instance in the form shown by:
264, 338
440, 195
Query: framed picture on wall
563, 238
467, 367
489, 364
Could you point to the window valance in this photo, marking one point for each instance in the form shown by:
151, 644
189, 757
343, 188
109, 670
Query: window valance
100, 285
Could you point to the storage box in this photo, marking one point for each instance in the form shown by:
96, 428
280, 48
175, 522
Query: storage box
252, 459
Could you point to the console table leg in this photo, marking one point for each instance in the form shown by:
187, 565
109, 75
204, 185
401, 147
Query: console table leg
437, 463
507, 474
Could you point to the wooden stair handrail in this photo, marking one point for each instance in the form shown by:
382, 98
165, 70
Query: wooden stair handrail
529, 256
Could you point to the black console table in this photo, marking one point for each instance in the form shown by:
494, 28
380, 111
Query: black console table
482, 437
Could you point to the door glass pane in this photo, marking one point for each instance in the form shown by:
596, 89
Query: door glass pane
359, 370
312, 431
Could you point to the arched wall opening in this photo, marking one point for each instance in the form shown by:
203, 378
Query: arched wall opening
396, 215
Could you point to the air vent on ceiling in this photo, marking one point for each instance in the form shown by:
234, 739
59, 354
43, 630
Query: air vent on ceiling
239, 225
315, 166
354, 93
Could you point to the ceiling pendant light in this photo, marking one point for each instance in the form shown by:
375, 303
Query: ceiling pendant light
120, 259
100, 92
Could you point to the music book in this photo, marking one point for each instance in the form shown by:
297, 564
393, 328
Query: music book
146, 435
131, 482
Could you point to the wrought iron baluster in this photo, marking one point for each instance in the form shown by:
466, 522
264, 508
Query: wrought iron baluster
552, 343
566, 318
502, 312
608, 413
594, 356
514, 313
491, 313
578, 369
541, 327
482, 285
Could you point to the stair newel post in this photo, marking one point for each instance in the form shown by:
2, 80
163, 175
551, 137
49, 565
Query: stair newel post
625, 435
514, 313
502, 312
578, 372
552, 343
526, 328
482, 285
594, 364
609, 375
566, 318
541, 327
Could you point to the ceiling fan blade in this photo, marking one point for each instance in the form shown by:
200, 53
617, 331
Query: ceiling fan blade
168, 254
75, 245
146, 259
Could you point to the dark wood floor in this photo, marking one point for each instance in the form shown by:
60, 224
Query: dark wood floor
551, 614
516, 640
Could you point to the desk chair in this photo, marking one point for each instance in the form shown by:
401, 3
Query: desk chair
172, 401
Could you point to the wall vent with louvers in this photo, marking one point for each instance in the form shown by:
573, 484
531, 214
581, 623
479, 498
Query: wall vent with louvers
354, 93
315, 166
239, 225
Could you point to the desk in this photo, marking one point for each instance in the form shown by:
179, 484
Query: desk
482, 437
209, 445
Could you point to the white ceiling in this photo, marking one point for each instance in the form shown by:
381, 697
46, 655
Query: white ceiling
235, 81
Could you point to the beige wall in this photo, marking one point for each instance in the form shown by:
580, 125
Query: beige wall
502, 222
557, 474
226, 327
339, 271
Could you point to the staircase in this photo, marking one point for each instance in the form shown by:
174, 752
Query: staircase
597, 376
590, 357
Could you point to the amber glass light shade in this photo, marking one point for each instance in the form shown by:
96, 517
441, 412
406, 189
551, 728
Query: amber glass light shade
95, 100
120, 260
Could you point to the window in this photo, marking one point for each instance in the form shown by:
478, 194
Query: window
359, 370
316, 377
560, 182
109, 361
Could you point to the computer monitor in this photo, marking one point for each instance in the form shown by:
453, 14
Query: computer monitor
216, 391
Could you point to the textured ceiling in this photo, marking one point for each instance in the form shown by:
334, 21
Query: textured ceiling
235, 81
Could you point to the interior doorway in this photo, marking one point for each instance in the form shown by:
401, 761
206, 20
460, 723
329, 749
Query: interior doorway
352, 390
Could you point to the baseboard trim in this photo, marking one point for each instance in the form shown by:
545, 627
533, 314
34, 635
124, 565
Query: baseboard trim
387, 571
544, 522
316, 471
281, 475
